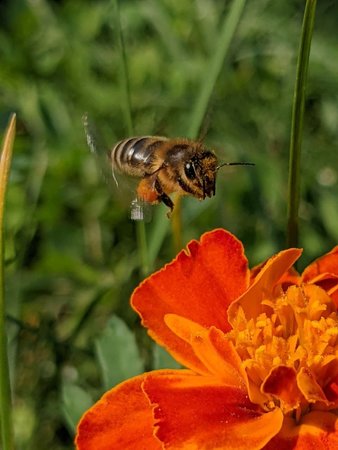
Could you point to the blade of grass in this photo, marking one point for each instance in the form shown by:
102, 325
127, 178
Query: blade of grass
124, 76
228, 29
5, 390
176, 225
297, 123
157, 233
126, 104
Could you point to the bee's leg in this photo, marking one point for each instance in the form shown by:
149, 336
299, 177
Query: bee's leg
163, 197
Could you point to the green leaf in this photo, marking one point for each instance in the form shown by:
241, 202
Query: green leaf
75, 401
163, 360
117, 353
5, 389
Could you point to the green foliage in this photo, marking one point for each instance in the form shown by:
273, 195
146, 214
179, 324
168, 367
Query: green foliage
163, 360
117, 353
75, 401
71, 253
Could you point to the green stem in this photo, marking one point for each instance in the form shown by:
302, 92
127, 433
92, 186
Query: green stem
176, 225
228, 30
297, 123
142, 247
124, 75
125, 101
215, 65
5, 389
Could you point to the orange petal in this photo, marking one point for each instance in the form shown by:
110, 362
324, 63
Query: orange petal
212, 348
327, 281
325, 264
197, 413
324, 271
282, 384
333, 293
264, 284
198, 285
317, 431
122, 419
186, 329
310, 388
290, 277
331, 391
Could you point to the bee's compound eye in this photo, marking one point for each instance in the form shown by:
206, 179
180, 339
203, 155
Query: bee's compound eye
189, 170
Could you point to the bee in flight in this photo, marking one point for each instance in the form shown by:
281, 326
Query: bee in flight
164, 166
167, 166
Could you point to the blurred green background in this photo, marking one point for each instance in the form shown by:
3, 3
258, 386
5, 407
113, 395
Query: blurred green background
72, 257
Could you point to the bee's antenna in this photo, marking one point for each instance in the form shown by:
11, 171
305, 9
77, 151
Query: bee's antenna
234, 164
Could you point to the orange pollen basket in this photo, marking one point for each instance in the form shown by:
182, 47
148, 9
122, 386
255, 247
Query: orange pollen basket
290, 350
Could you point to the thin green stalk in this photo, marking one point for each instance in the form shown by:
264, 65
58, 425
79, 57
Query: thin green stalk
124, 75
5, 389
126, 104
176, 225
297, 123
142, 247
215, 65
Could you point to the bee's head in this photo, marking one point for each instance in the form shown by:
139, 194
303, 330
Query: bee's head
200, 171
193, 168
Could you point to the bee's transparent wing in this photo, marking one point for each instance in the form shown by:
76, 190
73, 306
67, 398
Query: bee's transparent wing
99, 150
139, 209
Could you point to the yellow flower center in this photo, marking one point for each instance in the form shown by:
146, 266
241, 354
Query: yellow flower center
290, 349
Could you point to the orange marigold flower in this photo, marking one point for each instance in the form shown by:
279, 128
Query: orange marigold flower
260, 348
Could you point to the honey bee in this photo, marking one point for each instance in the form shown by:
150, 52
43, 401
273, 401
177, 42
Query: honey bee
167, 166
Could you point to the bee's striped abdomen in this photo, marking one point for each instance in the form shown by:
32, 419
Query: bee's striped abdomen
135, 155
